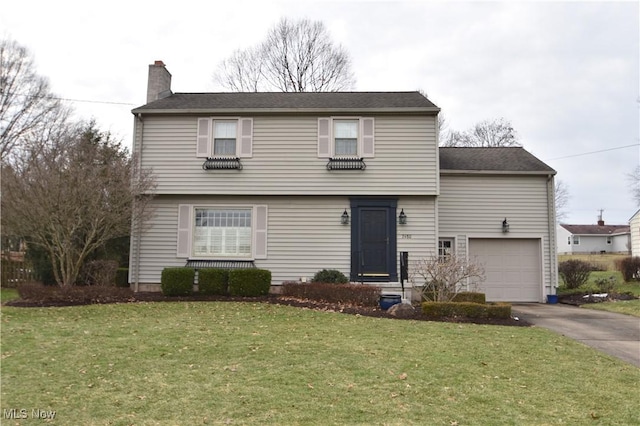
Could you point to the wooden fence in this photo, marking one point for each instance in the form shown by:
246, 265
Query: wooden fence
15, 272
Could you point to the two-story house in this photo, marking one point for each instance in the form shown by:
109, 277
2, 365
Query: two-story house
299, 182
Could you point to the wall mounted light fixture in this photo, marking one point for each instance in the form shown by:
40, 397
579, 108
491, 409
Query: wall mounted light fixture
505, 226
402, 218
344, 219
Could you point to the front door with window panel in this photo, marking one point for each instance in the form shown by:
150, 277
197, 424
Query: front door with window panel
373, 241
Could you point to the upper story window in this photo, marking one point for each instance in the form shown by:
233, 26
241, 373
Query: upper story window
346, 137
224, 137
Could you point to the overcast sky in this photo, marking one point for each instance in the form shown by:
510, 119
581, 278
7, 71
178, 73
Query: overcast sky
565, 74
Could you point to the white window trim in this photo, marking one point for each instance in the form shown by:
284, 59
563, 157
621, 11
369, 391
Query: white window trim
453, 245
360, 150
332, 139
575, 238
244, 142
220, 256
257, 229
213, 136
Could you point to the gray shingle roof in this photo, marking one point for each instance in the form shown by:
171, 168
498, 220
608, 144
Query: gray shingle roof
289, 101
596, 229
502, 159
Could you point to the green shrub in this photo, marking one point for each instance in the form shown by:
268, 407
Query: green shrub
606, 285
630, 268
177, 281
574, 272
329, 276
249, 282
466, 309
469, 296
355, 294
122, 277
563, 291
213, 281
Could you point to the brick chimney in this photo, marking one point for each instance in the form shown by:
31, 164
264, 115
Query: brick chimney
600, 220
159, 83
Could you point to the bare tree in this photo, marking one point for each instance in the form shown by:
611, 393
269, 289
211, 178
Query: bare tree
443, 128
25, 100
562, 197
74, 192
487, 133
295, 57
242, 71
634, 184
440, 277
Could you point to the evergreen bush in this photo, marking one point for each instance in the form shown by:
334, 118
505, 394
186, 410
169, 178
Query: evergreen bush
470, 296
250, 282
177, 281
329, 276
213, 281
466, 309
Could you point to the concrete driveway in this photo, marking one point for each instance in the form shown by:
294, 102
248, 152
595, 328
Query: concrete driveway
614, 334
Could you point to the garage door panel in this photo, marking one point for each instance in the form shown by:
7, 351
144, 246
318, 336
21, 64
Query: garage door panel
513, 268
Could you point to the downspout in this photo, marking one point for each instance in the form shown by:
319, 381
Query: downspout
553, 244
138, 231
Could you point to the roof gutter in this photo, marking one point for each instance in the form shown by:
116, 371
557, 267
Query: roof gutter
497, 172
406, 110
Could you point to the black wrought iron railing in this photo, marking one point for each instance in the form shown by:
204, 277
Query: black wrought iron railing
222, 163
220, 264
344, 163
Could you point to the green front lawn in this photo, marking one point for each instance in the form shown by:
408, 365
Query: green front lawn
629, 307
253, 363
7, 294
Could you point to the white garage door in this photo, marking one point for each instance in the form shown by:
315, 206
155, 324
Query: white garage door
513, 268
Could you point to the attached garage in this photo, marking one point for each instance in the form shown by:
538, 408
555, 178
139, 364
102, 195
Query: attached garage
513, 268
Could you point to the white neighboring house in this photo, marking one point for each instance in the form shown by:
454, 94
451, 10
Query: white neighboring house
634, 225
593, 239
298, 182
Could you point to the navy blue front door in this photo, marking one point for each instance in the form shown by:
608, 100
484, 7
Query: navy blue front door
373, 240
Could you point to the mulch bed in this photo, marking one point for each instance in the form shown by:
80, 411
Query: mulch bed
369, 311
579, 299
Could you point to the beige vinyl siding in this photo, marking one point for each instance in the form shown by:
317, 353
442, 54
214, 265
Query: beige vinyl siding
474, 206
304, 234
285, 159
422, 241
481, 203
634, 225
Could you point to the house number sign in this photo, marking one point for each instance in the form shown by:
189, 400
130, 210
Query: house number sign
405, 236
